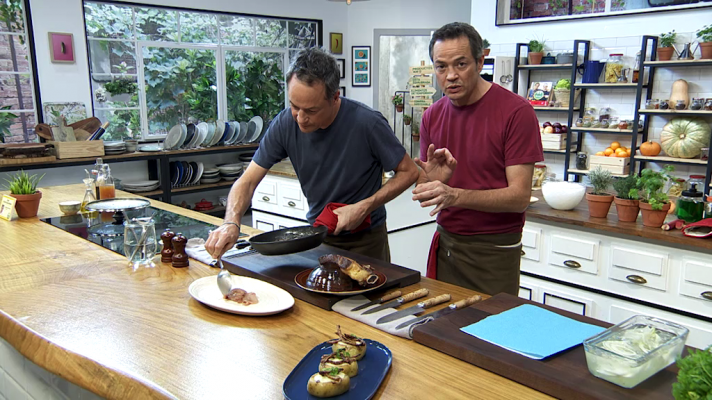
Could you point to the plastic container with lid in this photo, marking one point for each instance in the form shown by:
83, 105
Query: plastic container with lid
614, 68
698, 180
691, 205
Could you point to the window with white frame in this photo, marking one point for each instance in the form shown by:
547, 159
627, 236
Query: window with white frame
154, 67
17, 94
524, 11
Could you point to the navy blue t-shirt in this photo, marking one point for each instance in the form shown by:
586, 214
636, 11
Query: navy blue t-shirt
343, 163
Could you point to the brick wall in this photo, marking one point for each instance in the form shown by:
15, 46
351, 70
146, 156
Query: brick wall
9, 94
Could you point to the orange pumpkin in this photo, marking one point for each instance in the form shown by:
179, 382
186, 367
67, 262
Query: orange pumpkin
650, 148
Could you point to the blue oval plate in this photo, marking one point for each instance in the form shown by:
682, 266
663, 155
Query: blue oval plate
372, 369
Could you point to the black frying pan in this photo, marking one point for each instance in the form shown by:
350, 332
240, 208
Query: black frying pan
288, 240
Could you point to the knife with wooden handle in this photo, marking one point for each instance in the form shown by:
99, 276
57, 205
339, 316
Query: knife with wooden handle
399, 301
389, 296
416, 309
445, 311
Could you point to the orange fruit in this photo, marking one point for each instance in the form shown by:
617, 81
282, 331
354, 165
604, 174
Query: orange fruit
608, 151
622, 154
627, 153
615, 145
600, 153
613, 155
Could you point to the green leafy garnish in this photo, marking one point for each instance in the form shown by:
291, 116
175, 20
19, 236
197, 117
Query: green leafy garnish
333, 371
694, 380
342, 353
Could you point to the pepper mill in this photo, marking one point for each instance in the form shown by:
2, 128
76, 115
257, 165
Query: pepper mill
167, 252
180, 259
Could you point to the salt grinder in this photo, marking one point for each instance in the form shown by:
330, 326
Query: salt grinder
180, 258
167, 252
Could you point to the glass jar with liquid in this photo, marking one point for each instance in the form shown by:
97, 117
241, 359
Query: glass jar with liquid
105, 183
691, 205
140, 242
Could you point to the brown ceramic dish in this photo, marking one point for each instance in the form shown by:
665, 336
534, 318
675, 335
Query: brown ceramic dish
302, 277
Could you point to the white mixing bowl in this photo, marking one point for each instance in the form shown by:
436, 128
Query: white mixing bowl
563, 195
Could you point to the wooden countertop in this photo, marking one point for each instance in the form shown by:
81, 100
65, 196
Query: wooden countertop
77, 310
540, 211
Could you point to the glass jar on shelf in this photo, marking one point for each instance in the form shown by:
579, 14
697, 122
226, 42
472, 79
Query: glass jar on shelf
623, 124
595, 124
676, 187
604, 113
680, 105
604, 123
539, 175
664, 104
582, 160
579, 122
705, 154
695, 180
590, 114
614, 68
708, 104
613, 123
649, 104
697, 104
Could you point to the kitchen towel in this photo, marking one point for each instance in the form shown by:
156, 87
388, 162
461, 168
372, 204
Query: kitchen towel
532, 331
329, 219
345, 306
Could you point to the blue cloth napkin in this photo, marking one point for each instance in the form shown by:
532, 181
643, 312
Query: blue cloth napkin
532, 331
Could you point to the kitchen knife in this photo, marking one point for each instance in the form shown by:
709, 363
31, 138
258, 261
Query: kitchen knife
399, 301
445, 311
389, 296
416, 309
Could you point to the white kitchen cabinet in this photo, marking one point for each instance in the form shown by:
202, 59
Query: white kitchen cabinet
565, 300
574, 254
410, 246
270, 222
281, 196
531, 244
696, 283
638, 267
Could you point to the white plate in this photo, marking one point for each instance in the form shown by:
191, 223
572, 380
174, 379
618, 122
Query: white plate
198, 174
219, 131
235, 133
258, 128
533, 199
139, 183
272, 300
173, 137
202, 134
243, 133
149, 148
209, 136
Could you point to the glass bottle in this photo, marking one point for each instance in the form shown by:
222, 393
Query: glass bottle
691, 205
95, 175
88, 193
105, 182
636, 72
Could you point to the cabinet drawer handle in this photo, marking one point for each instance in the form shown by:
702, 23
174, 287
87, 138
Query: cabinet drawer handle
636, 279
292, 204
265, 198
523, 253
572, 264
706, 295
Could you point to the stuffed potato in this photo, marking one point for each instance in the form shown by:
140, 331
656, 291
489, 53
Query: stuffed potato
340, 360
352, 344
328, 383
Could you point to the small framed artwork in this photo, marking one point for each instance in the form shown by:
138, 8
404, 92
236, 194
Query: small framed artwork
336, 45
61, 47
342, 67
361, 63
342, 89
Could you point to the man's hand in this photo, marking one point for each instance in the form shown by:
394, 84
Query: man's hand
436, 194
350, 217
440, 165
222, 240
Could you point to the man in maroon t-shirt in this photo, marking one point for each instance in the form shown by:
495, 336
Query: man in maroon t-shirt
478, 146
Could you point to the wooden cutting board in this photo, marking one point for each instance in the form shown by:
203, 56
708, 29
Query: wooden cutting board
564, 375
281, 270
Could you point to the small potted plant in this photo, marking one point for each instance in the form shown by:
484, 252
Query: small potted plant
415, 132
562, 92
627, 206
398, 102
23, 187
704, 37
407, 119
486, 47
536, 51
599, 201
653, 202
665, 43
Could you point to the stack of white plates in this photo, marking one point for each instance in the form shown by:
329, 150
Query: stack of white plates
140, 186
230, 172
114, 148
210, 175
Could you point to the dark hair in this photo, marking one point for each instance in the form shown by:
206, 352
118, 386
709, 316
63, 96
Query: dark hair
456, 30
314, 65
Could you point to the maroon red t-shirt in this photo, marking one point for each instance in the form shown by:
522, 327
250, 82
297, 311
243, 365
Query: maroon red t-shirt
499, 130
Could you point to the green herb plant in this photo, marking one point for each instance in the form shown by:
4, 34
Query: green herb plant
600, 179
623, 186
6, 120
563, 84
705, 34
397, 100
694, 380
121, 86
536, 45
667, 39
649, 187
485, 44
22, 183
407, 119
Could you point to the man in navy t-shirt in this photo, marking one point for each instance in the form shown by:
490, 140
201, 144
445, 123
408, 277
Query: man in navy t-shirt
339, 149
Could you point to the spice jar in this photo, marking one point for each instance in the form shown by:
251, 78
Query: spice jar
613, 123
651, 104
691, 205
582, 160
708, 104
587, 123
604, 123
604, 113
705, 155
680, 105
623, 125
664, 105
614, 68
590, 114
579, 122
697, 104
595, 124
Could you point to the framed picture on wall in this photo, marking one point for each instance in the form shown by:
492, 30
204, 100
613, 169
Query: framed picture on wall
61, 47
342, 67
342, 89
361, 66
336, 43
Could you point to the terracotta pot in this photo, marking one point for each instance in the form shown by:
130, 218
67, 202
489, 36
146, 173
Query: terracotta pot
665, 53
627, 209
653, 218
486, 52
706, 50
535, 58
399, 107
406, 122
27, 205
416, 137
599, 205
